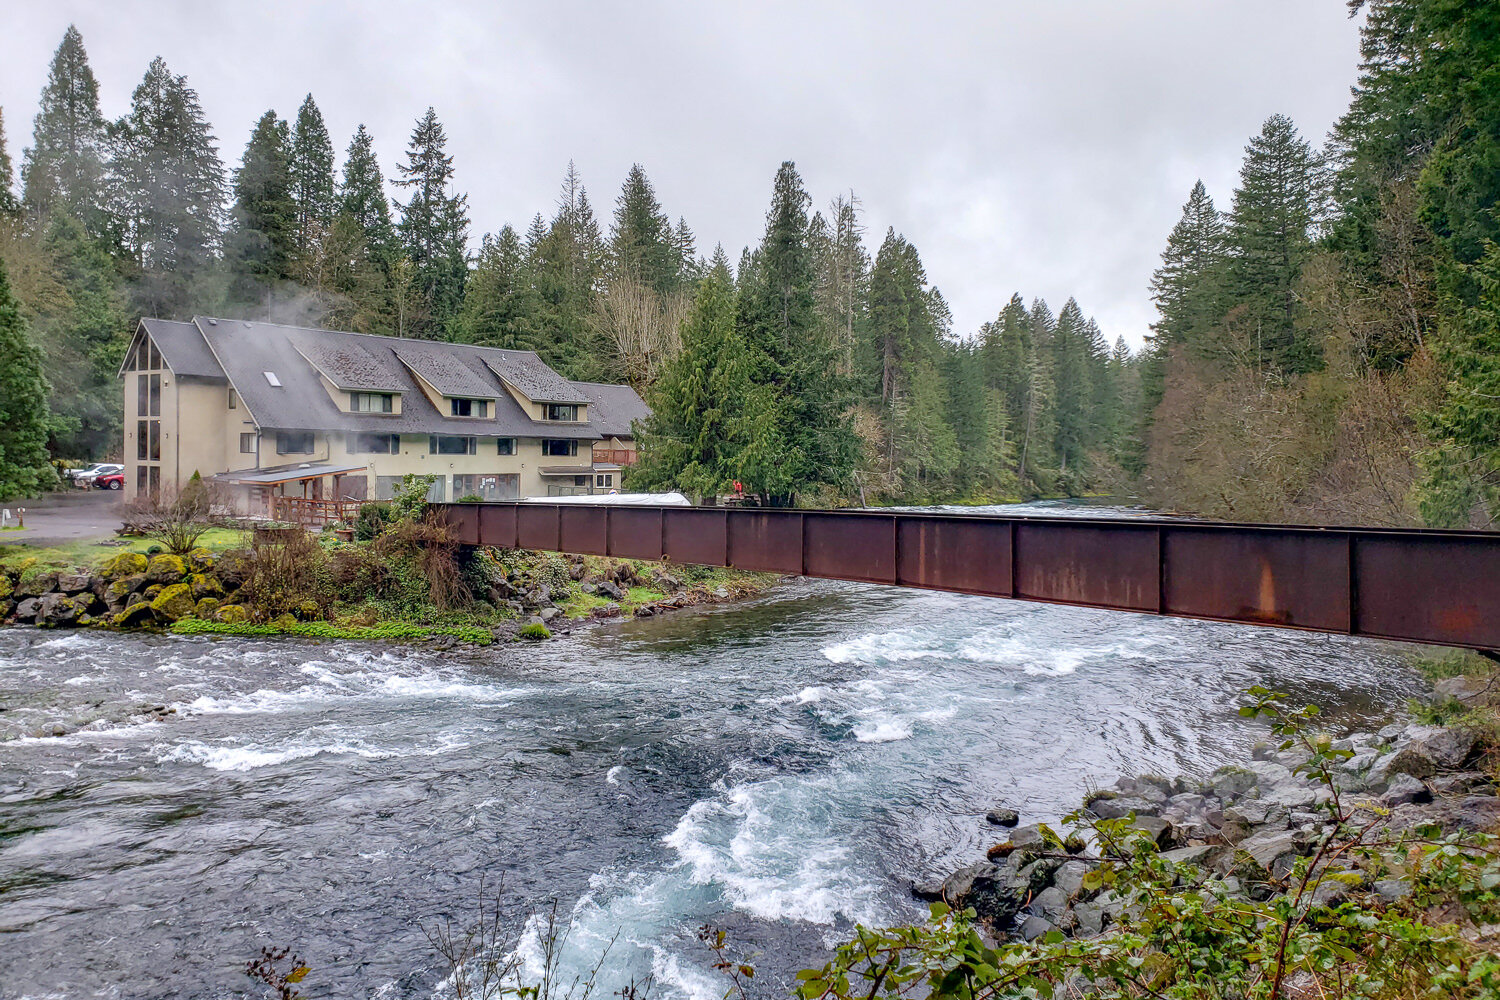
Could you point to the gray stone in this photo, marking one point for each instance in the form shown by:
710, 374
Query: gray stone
1472, 812
1199, 855
611, 590
1124, 805
1069, 878
1464, 783
1392, 731
1409, 759
1269, 773
73, 583
28, 609
1158, 830
1391, 890
1027, 836
1404, 788
1465, 689
57, 610
1092, 918
1289, 796
1231, 782
1000, 816
1273, 850
1049, 903
1034, 927
547, 614
957, 885
1448, 747
1256, 812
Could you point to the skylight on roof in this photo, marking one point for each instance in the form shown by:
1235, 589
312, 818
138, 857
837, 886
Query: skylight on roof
271, 378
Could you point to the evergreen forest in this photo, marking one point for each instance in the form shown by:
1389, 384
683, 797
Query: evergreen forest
1327, 346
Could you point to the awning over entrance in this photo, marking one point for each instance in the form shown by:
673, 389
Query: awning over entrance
565, 470
288, 474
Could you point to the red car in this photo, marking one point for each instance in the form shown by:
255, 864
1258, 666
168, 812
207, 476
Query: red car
112, 481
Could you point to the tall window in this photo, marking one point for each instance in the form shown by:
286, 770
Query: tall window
247, 443
562, 411
155, 395
234, 401
142, 395
559, 449
294, 442
140, 440
155, 435
439, 444
370, 402
469, 407
505, 446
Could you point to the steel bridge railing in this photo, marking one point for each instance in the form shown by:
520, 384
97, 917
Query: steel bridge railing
1438, 587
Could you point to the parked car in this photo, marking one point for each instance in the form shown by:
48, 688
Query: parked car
110, 481
84, 478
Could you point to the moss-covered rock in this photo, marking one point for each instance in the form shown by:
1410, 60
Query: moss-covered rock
166, 568
205, 608
6, 587
35, 582
135, 616
284, 621
201, 560
309, 611
205, 586
122, 587
151, 591
233, 614
174, 602
124, 564
232, 567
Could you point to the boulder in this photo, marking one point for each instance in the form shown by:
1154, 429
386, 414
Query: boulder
206, 608
1468, 690
1409, 759
1404, 788
201, 560
232, 568
1069, 877
165, 568
28, 609
233, 614
205, 586
1273, 851
1471, 812
1049, 903
611, 590
6, 587
135, 616
1121, 806
1034, 927
1000, 816
150, 592
35, 582
1448, 747
547, 614
174, 602
74, 583
1231, 782
57, 610
124, 564
123, 586
1464, 783
1092, 918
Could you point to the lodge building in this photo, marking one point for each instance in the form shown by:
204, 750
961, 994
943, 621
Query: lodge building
270, 411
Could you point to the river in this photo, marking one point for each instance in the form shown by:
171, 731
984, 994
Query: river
778, 768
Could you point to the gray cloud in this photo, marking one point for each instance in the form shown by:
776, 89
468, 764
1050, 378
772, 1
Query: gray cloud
1022, 145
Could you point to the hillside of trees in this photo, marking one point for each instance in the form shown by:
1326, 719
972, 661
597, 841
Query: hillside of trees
1327, 348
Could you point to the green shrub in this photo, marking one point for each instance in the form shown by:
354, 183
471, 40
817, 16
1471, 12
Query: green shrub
388, 631
536, 632
372, 521
470, 498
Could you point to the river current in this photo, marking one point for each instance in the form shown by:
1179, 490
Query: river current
780, 769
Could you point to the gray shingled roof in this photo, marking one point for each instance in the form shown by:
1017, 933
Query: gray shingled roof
183, 348
531, 377
347, 364
249, 349
612, 408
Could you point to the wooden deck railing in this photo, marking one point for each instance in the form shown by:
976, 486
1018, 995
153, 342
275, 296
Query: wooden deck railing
298, 510
614, 456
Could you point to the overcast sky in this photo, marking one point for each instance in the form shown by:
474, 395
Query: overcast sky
1039, 146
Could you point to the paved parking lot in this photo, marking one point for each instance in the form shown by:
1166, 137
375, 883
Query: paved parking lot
65, 517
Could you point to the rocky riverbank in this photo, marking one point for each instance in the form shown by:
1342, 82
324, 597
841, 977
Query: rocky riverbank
525, 595
1244, 829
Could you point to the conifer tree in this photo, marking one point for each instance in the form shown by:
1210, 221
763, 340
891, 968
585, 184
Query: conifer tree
790, 353
262, 242
310, 164
64, 165
8, 203
685, 249
1005, 349
500, 308
24, 466
434, 227
1186, 288
361, 195
170, 190
1073, 381
641, 242
1270, 238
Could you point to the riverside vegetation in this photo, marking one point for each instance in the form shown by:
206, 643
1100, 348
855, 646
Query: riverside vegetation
400, 577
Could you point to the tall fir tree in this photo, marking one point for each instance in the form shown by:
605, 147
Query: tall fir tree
262, 241
1270, 238
1072, 351
641, 244
170, 186
501, 309
791, 353
434, 226
24, 466
310, 165
64, 166
361, 195
8, 203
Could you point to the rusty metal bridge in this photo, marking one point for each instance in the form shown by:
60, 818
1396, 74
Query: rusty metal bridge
1438, 587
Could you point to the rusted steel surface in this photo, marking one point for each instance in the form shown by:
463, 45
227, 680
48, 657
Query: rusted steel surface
1440, 587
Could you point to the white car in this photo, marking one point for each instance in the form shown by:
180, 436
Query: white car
84, 478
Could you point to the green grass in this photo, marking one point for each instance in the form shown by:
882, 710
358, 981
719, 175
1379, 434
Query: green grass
384, 632
641, 595
89, 553
580, 605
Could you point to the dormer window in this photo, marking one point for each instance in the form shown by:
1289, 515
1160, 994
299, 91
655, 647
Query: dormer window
470, 407
562, 411
370, 402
